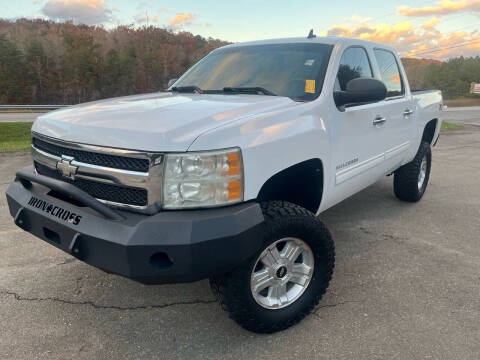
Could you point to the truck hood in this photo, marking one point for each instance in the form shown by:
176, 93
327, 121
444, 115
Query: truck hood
153, 122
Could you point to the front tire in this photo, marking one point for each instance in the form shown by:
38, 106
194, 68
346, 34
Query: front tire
286, 279
411, 180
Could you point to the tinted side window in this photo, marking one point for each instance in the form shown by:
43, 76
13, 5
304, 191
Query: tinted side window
389, 72
354, 64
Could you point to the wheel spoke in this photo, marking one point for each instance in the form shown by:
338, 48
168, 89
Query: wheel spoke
291, 251
275, 253
271, 257
300, 274
278, 294
261, 280
301, 269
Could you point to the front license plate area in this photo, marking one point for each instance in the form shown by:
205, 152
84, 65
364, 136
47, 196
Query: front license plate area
54, 226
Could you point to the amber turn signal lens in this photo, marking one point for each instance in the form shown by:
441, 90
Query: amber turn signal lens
233, 164
234, 190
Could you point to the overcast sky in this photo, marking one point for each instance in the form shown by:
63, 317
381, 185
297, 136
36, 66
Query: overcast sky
433, 29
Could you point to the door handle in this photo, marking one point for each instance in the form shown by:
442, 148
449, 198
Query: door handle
407, 112
379, 120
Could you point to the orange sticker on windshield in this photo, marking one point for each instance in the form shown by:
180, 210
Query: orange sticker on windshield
310, 86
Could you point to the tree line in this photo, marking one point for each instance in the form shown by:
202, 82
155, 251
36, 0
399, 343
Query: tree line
44, 62
453, 76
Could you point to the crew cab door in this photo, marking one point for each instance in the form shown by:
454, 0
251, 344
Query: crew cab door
397, 109
357, 132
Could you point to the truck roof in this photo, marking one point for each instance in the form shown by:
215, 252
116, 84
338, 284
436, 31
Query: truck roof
332, 40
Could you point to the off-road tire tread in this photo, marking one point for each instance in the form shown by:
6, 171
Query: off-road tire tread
406, 177
228, 288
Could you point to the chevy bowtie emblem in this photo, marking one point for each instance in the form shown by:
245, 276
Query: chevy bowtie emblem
66, 168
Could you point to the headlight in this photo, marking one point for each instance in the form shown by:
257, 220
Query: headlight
203, 179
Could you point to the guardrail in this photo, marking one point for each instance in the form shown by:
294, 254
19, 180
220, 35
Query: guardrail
31, 107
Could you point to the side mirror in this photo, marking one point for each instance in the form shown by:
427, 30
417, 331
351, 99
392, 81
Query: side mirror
171, 82
361, 90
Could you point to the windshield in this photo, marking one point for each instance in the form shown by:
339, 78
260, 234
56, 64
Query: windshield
293, 70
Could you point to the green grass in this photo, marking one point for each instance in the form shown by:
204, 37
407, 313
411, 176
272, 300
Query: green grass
450, 126
15, 136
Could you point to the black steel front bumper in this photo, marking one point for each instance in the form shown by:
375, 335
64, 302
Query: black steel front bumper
168, 247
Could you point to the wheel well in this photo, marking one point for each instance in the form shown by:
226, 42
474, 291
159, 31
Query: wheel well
301, 184
429, 131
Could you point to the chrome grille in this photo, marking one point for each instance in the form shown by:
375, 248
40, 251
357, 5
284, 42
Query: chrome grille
102, 191
111, 161
120, 178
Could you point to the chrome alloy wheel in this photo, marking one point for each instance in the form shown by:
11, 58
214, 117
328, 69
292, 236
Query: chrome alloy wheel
423, 172
282, 273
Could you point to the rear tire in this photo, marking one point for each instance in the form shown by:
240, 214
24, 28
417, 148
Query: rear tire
411, 180
297, 276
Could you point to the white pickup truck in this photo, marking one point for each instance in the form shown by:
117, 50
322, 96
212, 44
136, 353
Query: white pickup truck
223, 175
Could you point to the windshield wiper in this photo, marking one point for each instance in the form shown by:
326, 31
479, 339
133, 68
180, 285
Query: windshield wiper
249, 90
188, 89
233, 90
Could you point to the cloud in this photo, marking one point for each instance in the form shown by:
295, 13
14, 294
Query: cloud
208, 24
181, 19
89, 12
442, 7
430, 24
416, 41
358, 19
386, 33
449, 45
363, 30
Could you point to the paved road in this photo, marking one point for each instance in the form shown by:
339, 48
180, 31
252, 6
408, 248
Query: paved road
406, 286
465, 115
470, 115
18, 117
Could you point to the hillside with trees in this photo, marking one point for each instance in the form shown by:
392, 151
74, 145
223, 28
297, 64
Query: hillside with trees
453, 76
44, 62
417, 70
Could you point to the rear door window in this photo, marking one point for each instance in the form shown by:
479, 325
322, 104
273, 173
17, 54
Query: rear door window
390, 72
